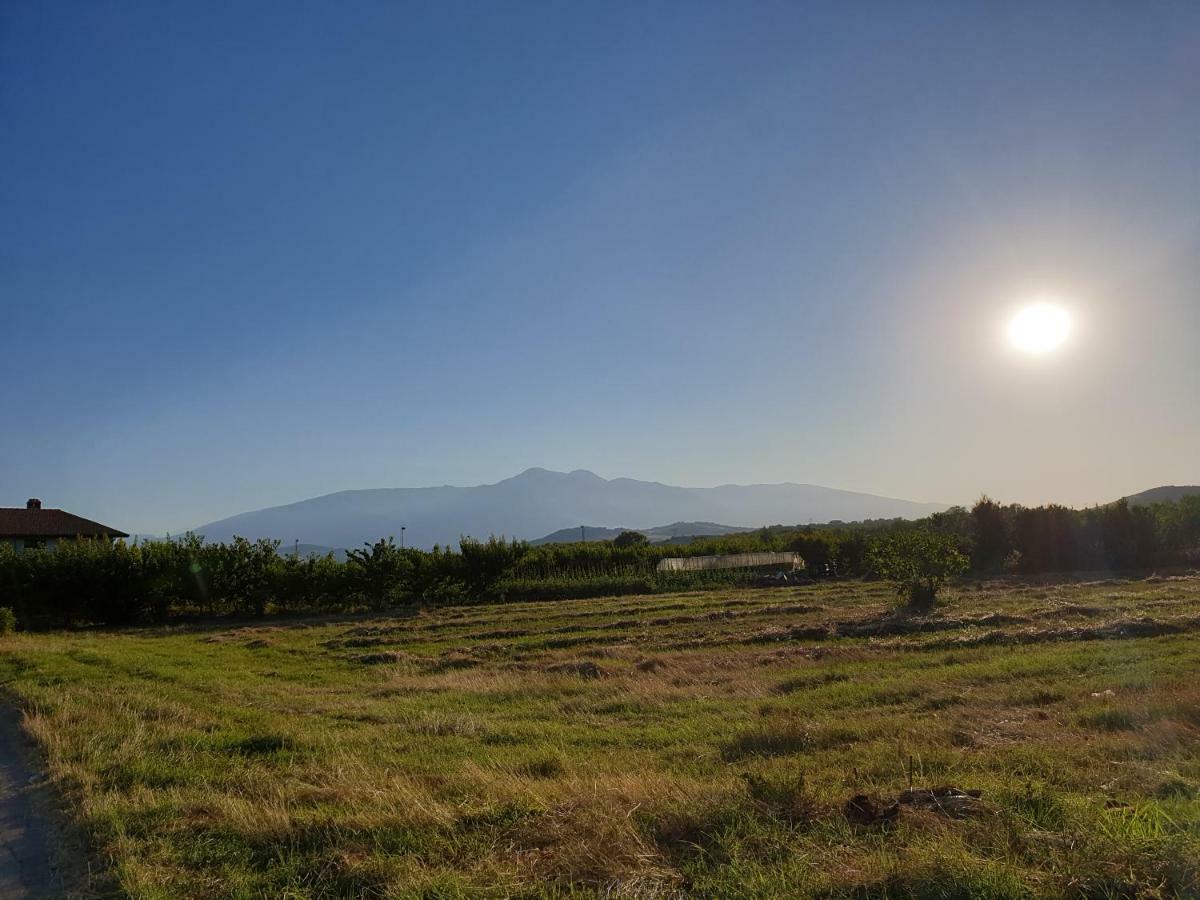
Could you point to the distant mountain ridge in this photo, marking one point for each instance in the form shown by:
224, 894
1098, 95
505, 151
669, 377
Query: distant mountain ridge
539, 502
1167, 493
656, 535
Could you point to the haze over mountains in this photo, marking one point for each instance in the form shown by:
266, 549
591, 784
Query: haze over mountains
655, 534
538, 502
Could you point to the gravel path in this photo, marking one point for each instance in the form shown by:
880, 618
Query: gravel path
27, 838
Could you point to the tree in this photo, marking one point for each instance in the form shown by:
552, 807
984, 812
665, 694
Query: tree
484, 563
917, 563
1129, 534
378, 571
630, 539
1049, 539
990, 529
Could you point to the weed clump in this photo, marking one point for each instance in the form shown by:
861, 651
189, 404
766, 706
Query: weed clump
768, 740
262, 745
1176, 789
1037, 804
585, 669
1112, 719
547, 765
387, 658
783, 797
810, 682
1036, 697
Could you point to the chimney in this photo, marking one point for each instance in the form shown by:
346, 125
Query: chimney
33, 503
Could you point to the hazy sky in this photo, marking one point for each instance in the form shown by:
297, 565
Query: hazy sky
255, 252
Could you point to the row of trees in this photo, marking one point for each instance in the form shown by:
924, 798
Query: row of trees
1116, 537
90, 581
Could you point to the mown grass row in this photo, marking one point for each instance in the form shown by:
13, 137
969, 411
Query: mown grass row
468, 752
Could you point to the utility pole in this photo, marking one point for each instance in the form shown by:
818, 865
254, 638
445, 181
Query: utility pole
402, 527
296, 549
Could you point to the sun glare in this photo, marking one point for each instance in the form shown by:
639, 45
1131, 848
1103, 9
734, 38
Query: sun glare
1039, 328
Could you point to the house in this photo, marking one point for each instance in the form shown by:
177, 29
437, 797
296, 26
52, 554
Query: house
34, 527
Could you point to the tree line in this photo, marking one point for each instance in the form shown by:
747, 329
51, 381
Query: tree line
85, 581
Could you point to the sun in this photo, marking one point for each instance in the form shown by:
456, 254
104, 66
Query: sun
1039, 328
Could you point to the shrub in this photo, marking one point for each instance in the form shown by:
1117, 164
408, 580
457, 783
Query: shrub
918, 563
629, 539
8, 620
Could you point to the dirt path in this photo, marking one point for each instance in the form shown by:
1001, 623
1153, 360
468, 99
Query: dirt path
28, 837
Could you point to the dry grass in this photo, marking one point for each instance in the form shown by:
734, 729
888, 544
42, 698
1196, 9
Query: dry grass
698, 744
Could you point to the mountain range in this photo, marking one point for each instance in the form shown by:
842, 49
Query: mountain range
539, 502
657, 534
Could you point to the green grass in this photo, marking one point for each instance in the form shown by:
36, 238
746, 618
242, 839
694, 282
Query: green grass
698, 744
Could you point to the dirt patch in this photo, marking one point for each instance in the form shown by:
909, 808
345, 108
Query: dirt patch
870, 812
945, 800
874, 812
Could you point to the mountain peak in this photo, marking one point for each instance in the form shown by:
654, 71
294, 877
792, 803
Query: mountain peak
582, 474
537, 472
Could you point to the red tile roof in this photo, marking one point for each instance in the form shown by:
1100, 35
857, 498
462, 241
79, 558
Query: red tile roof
18, 522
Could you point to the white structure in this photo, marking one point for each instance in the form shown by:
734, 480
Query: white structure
790, 561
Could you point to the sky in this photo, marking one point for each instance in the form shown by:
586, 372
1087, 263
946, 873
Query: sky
256, 252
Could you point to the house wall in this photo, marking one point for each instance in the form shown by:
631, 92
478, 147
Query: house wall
18, 544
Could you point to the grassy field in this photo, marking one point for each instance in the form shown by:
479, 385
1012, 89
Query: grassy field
700, 744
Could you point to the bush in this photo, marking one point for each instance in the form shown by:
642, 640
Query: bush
8, 620
629, 539
918, 563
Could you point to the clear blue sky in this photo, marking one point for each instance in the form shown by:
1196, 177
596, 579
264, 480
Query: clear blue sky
255, 252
